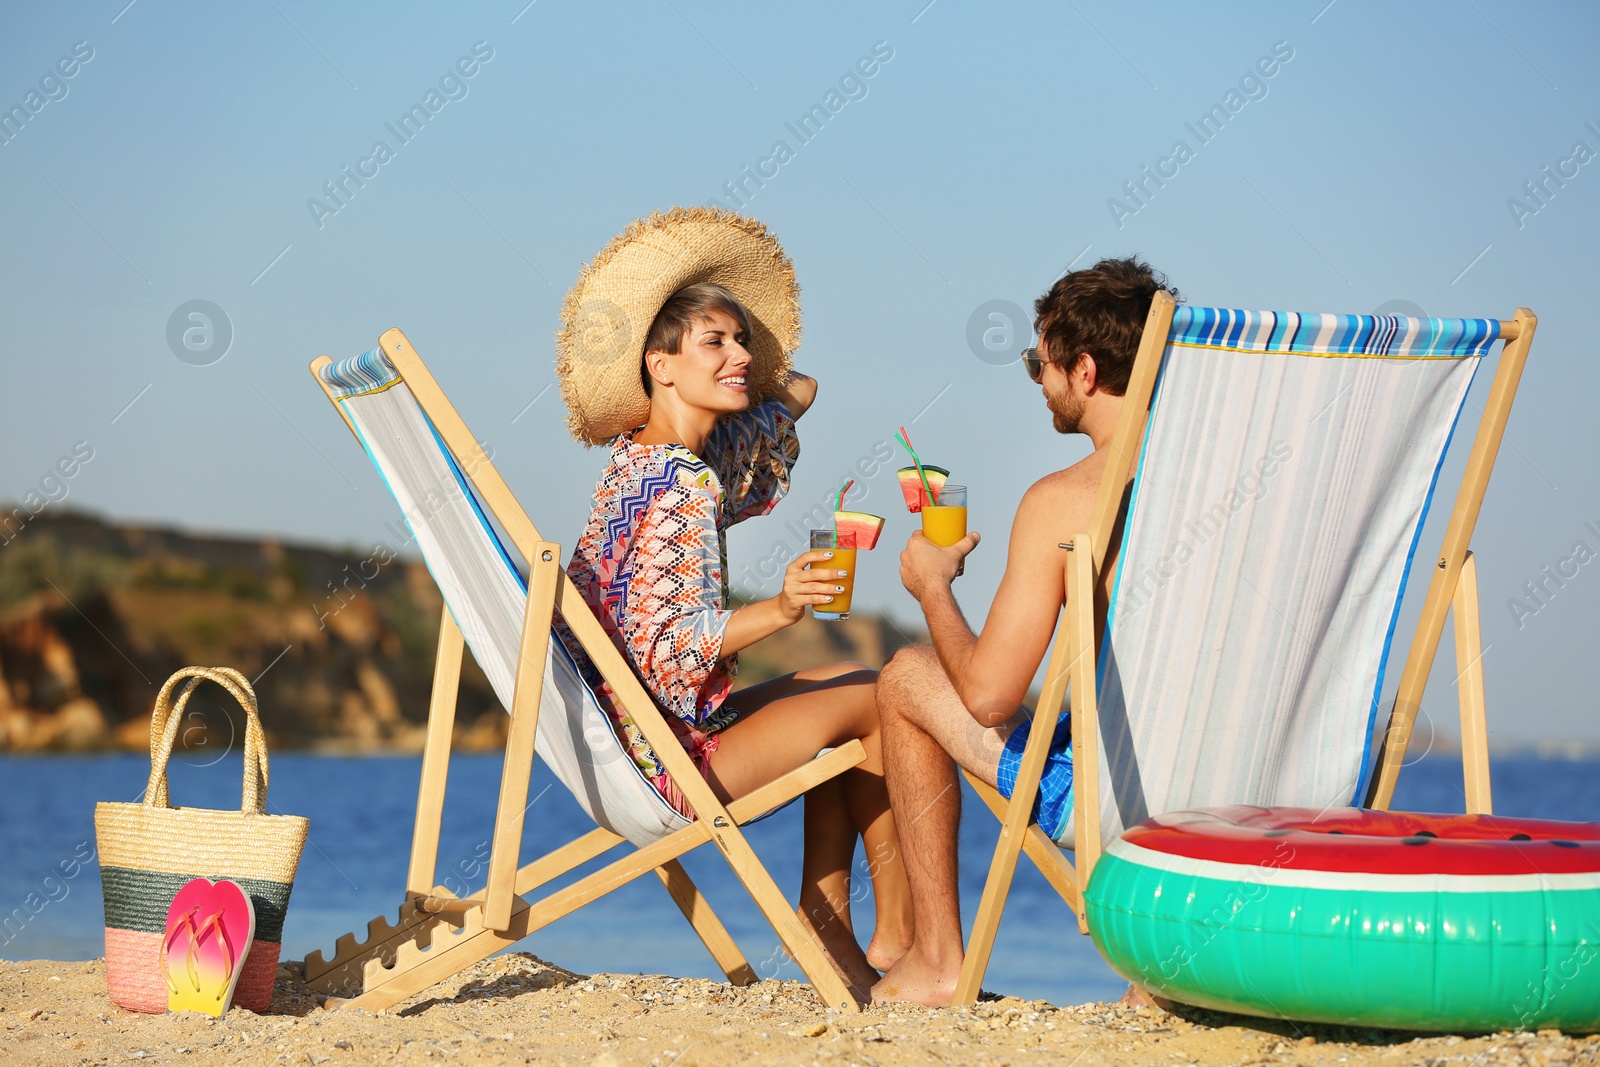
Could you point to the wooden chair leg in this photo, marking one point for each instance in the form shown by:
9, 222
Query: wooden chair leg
798, 942
986, 924
544, 574
723, 826
436, 756
1469, 682
1045, 853
697, 909
1082, 583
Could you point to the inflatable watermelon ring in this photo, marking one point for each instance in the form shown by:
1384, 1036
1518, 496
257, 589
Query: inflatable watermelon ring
1371, 918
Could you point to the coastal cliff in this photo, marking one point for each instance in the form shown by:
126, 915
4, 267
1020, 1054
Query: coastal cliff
95, 615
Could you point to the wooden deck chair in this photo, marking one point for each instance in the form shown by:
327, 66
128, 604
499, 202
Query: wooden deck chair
1282, 466
458, 506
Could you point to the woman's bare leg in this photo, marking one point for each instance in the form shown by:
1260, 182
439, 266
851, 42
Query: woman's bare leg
830, 845
787, 722
867, 797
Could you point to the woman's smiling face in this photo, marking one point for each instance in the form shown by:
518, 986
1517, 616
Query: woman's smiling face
709, 370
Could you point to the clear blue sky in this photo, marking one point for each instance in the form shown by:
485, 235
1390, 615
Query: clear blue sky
1374, 165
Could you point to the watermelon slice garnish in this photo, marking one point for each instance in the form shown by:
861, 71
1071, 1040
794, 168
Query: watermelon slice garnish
857, 529
911, 486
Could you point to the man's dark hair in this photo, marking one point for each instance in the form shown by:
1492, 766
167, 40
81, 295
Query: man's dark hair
678, 315
1100, 311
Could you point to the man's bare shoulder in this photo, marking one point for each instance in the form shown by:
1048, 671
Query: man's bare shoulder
1083, 477
1064, 499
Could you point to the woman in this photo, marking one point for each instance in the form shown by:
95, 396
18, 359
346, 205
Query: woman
700, 415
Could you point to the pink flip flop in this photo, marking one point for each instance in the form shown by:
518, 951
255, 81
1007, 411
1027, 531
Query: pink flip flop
210, 926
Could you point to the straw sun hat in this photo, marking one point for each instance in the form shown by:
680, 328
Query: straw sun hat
610, 309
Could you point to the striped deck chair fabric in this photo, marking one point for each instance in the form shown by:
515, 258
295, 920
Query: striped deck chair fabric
483, 584
1288, 464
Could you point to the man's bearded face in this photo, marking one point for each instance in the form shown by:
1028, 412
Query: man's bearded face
1066, 404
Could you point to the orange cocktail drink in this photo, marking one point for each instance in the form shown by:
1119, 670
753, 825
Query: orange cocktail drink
945, 521
844, 559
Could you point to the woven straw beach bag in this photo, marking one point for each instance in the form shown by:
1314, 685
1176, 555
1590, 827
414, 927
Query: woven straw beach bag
149, 850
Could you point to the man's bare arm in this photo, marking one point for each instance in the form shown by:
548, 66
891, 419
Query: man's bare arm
992, 672
952, 637
997, 675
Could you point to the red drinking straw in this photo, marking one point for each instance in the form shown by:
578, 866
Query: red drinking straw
838, 507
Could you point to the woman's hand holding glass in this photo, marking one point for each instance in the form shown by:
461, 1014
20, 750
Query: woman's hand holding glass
809, 582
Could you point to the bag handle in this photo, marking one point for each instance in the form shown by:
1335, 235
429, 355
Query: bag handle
168, 716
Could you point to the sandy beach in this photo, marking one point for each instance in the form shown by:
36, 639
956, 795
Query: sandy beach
517, 1009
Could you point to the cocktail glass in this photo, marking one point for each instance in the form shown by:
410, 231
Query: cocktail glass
945, 523
844, 559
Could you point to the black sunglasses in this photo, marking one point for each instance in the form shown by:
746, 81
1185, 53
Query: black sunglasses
1033, 363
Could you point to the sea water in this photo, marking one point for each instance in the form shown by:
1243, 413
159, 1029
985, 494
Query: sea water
361, 811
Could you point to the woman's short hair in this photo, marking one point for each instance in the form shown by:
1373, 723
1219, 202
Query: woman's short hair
1101, 311
689, 305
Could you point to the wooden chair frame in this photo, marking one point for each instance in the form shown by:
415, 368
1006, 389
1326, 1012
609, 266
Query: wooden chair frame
437, 934
1076, 652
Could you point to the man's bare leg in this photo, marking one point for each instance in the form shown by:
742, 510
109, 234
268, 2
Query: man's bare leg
926, 731
923, 787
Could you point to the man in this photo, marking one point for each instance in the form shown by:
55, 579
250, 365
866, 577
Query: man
960, 701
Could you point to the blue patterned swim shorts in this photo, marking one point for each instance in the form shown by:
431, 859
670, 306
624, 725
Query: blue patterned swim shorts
1052, 809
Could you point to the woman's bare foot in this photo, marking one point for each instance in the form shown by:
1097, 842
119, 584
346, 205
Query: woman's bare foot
914, 980
839, 942
885, 950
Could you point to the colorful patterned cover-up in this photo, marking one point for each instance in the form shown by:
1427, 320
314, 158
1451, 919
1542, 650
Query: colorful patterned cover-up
653, 564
